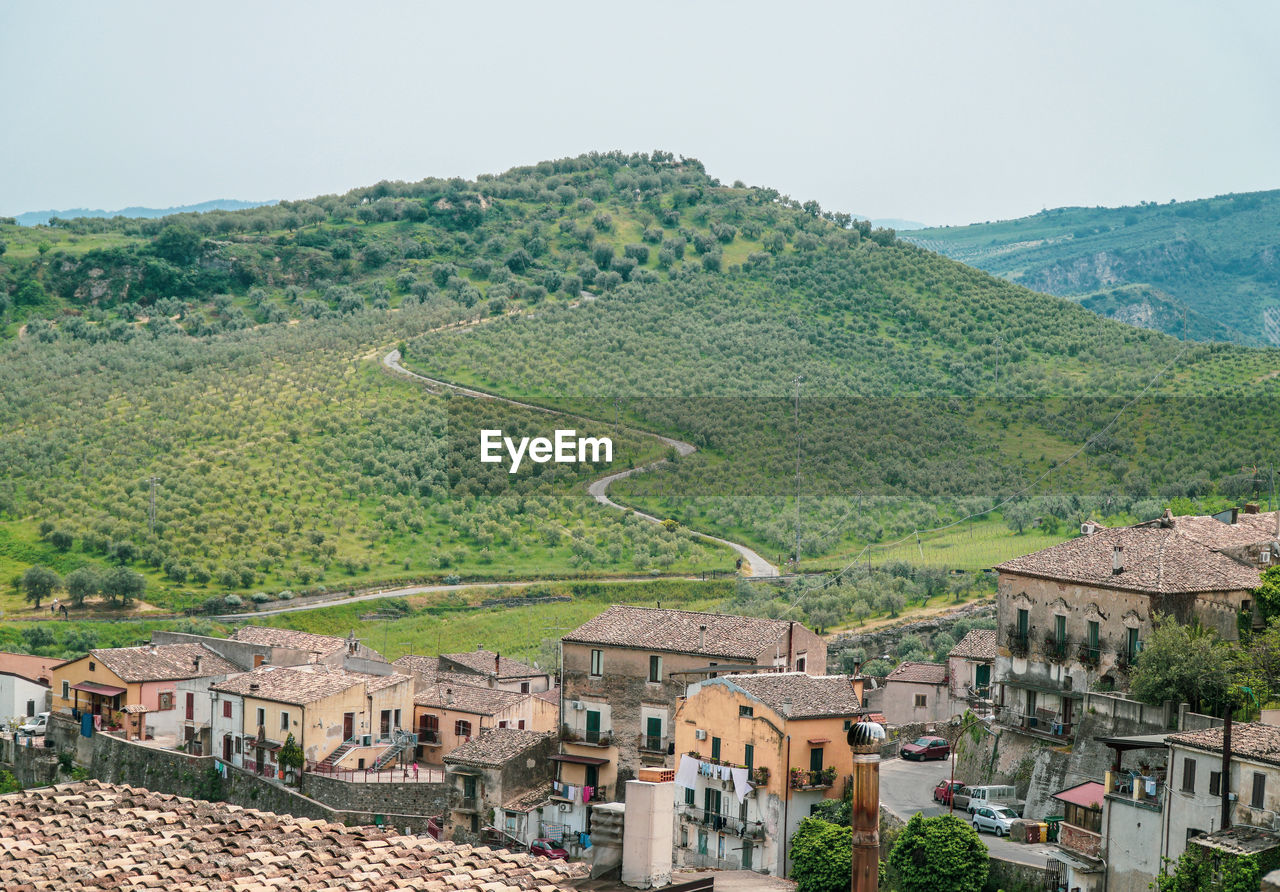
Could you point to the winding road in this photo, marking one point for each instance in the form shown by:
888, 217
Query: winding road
754, 565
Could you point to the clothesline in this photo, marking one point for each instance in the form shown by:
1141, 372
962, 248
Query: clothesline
691, 769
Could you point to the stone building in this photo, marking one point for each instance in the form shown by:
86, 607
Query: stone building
1073, 617
970, 669
756, 754
497, 782
497, 671
623, 672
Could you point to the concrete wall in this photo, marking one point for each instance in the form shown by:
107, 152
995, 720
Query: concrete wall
237, 652
17, 692
897, 703
1012, 876
647, 834
1133, 835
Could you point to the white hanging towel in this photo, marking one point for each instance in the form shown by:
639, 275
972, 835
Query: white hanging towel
687, 774
741, 787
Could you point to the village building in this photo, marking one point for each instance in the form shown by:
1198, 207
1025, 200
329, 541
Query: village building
756, 753
89, 834
918, 693
342, 720
289, 647
971, 667
497, 671
1073, 617
25, 685
1077, 862
448, 713
133, 688
497, 781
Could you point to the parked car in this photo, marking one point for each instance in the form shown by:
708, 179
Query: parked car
546, 848
945, 790
974, 798
35, 725
926, 748
995, 819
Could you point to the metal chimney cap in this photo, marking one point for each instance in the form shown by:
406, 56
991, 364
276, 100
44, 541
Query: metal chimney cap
865, 733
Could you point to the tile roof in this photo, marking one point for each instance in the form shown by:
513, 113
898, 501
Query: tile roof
162, 662
448, 694
96, 836
1171, 555
27, 666
797, 695
495, 747
919, 673
482, 661
290, 638
527, 802
679, 631
1086, 795
979, 644
428, 666
301, 684
1250, 740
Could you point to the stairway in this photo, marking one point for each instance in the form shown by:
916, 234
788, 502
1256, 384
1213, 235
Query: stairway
331, 761
400, 742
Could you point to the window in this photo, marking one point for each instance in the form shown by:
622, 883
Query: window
1215, 783
239, 744
262, 717
848, 723
31, 708
284, 721
92, 665
713, 674
520, 724
462, 728
1060, 629
1133, 645
655, 669
749, 757
1259, 790
702, 842
524, 687
502, 724
689, 797
1093, 634
746, 711
800, 664
1188, 775
684, 836
815, 759
597, 662
1024, 622
66, 690
226, 709
720, 847
165, 700
715, 747
922, 700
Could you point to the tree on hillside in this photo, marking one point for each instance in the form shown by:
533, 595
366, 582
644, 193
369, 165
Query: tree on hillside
123, 584
38, 583
823, 856
1267, 595
942, 854
83, 582
1185, 664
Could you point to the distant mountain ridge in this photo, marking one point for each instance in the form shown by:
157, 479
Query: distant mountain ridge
1216, 258
42, 218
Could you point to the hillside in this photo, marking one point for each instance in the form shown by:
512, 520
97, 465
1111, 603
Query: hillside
234, 356
42, 218
1217, 258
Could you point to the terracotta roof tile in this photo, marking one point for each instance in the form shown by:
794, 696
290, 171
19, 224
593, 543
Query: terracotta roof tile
290, 638
302, 684
495, 747
1250, 740
163, 662
979, 644
1168, 556
796, 695
679, 631
99, 836
919, 673
483, 662
449, 694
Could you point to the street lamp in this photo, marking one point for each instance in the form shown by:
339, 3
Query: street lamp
951, 786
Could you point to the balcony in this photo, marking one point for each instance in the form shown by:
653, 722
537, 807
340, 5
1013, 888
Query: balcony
726, 823
813, 780
1089, 655
1044, 723
759, 777
1146, 791
652, 743
1019, 641
590, 737
1055, 648
467, 803
429, 738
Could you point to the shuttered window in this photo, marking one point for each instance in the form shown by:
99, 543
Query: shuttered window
1188, 775
1259, 789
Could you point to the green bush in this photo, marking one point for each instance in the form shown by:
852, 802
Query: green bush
942, 854
822, 854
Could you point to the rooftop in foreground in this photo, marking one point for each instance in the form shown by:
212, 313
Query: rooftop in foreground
93, 835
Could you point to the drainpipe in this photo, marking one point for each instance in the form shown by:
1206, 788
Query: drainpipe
1224, 786
786, 803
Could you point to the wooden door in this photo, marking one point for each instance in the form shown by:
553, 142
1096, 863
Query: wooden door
191, 706
348, 725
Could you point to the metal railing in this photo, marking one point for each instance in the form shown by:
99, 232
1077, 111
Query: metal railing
428, 738
398, 775
727, 823
808, 780
653, 743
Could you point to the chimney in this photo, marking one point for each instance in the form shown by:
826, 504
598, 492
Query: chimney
1117, 560
196, 662
151, 648
702, 638
1251, 508
253, 685
497, 665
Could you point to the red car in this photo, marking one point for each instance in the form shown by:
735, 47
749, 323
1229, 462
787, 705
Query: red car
545, 848
945, 790
926, 748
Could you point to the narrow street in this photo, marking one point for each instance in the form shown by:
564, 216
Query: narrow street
907, 788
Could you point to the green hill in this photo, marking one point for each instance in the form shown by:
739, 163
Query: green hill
1216, 258
234, 356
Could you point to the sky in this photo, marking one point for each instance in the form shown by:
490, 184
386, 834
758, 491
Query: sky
940, 112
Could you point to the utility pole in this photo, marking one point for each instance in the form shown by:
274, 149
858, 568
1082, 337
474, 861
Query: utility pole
152, 513
797, 554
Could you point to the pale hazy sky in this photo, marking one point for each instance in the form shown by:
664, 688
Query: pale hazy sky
944, 112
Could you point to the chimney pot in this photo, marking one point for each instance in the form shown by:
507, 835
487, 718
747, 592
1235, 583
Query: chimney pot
1117, 560
1251, 508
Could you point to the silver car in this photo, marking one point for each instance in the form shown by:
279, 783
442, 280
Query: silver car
994, 819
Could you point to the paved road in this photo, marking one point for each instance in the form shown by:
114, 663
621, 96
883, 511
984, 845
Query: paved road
754, 564
907, 788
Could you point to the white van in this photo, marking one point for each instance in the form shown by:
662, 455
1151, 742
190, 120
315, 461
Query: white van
991, 794
36, 725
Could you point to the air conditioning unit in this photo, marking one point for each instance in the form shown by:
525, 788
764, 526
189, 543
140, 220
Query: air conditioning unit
579, 705
367, 740
564, 806
700, 734
1264, 557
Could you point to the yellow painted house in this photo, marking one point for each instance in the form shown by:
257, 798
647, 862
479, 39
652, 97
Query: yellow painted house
333, 714
755, 754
